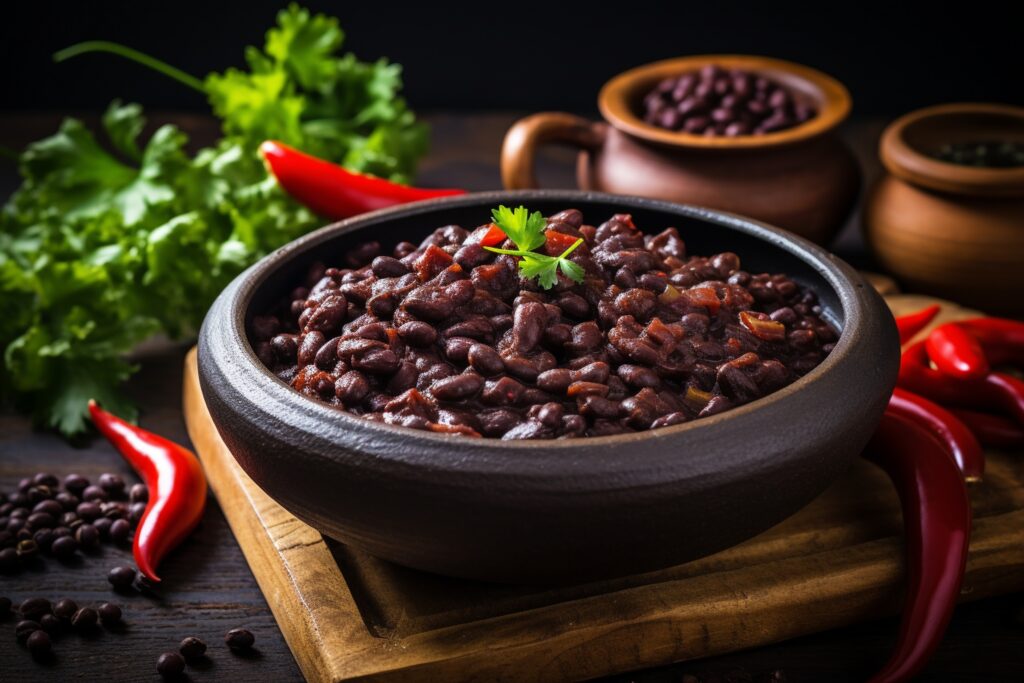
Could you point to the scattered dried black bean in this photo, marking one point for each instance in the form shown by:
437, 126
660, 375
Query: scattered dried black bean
110, 614
88, 537
121, 576
24, 628
39, 644
138, 493
170, 665
120, 529
64, 548
192, 648
85, 619
27, 549
65, 608
33, 608
239, 639
113, 484
75, 484
9, 561
94, 493
50, 624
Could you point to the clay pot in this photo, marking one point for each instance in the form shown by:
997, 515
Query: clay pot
803, 179
946, 229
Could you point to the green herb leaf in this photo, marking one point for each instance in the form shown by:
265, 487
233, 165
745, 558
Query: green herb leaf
112, 238
526, 230
522, 227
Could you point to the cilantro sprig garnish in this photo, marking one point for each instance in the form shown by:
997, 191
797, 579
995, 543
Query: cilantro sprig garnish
526, 230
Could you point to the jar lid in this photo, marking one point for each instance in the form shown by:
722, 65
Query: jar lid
908, 146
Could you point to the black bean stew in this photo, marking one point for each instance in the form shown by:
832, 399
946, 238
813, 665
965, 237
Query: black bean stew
448, 337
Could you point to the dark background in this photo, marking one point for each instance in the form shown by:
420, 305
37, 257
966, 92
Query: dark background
893, 56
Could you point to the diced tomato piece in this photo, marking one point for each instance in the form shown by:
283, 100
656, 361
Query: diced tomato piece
557, 242
489, 235
433, 261
704, 296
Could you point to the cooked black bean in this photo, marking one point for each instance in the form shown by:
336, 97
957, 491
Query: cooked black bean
457, 388
484, 359
352, 387
448, 336
387, 266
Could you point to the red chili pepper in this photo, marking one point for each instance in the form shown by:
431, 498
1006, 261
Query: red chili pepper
332, 191
1001, 339
992, 430
177, 487
937, 525
910, 324
960, 443
996, 391
956, 352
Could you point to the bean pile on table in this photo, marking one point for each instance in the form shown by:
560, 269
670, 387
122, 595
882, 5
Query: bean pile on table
448, 337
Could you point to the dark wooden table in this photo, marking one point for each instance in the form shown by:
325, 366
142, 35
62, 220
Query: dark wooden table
208, 588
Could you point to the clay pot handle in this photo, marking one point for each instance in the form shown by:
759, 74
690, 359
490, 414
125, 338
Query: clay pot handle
528, 134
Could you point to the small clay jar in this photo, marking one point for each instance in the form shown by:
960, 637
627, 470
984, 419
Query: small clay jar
803, 179
947, 229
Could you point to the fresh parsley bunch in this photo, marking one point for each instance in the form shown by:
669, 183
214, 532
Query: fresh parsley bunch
526, 230
112, 239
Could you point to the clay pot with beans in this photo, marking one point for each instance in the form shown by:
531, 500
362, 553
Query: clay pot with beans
749, 135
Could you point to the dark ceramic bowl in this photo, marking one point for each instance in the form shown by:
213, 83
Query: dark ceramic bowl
551, 511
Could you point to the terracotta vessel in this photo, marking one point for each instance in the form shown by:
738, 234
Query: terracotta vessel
551, 510
803, 179
947, 229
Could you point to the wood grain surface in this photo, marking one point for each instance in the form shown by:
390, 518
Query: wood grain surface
209, 587
349, 616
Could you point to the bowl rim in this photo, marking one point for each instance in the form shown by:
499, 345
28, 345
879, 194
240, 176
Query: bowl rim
850, 289
905, 162
615, 101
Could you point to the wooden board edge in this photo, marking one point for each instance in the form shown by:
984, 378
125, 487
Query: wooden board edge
298, 627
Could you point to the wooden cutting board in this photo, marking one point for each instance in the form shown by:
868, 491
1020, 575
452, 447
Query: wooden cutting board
348, 616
